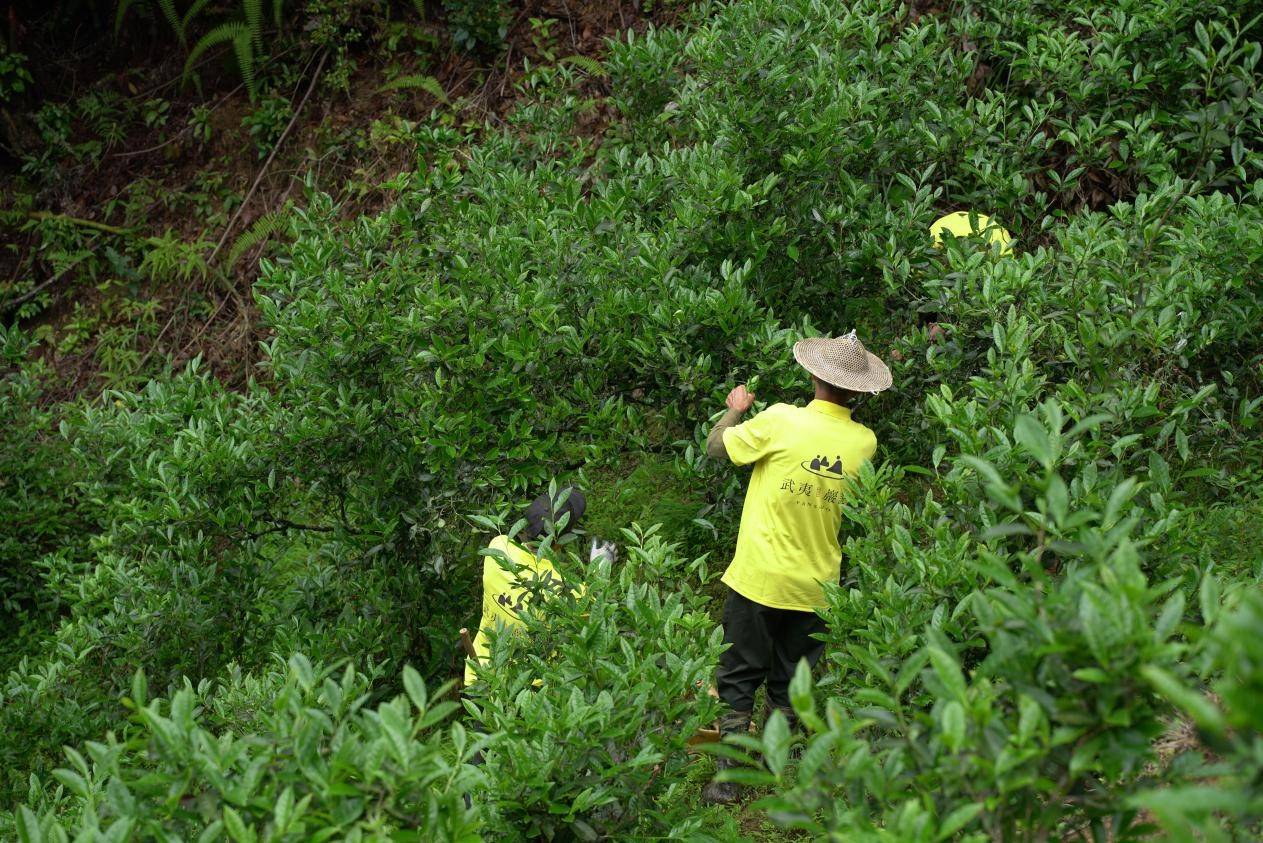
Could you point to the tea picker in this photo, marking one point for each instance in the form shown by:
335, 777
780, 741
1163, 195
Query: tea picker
962, 224
804, 458
505, 586
971, 224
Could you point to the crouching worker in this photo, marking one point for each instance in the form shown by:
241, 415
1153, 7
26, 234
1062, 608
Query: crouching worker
788, 543
505, 589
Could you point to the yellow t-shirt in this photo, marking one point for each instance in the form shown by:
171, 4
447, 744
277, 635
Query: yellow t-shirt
960, 224
788, 544
503, 594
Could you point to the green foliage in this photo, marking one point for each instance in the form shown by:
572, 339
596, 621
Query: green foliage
1222, 535
242, 38
585, 63
1025, 594
14, 77
262, 230
158, 592
990, 640
1014, 746
317, 763
997, 669
412, 80
1217, 797
477, 23
46, 524
645, 73
169, 256
871, 119
245, 33
200, 124
267, 122
597, 696
645, 491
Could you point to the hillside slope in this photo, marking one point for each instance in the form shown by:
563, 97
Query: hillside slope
1035, 574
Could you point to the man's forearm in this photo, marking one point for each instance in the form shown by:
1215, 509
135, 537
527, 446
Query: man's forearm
715, 441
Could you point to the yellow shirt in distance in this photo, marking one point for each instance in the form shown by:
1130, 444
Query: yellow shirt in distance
503, 594
788, 544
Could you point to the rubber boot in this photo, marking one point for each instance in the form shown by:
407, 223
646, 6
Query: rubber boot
795, 728
791, 717
725, 793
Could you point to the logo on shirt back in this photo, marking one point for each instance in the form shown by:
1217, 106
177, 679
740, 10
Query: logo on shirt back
823, 467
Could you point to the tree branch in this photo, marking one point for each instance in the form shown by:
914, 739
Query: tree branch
283, 524
99, 226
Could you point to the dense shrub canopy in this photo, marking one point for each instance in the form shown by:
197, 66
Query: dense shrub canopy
1036, 576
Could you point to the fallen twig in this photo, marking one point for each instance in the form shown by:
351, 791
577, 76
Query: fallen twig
271, 156
15, 303
181, 133
508, 57
79, 221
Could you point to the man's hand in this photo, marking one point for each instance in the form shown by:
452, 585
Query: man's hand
740, 399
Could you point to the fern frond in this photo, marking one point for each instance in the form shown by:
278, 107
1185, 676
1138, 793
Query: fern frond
123, 7
194, 9
264, 228
585, 63
254, 20
244, 48
232, 31
426, 83
169, 256
173, 18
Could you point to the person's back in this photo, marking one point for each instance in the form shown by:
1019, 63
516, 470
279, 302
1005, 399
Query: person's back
505, 587
505, 593
788, 542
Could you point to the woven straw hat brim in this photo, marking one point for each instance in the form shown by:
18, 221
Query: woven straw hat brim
843, 363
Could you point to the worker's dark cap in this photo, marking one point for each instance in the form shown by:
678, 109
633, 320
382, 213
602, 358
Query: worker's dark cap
544, 511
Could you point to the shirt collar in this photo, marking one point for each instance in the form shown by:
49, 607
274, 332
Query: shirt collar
828, 408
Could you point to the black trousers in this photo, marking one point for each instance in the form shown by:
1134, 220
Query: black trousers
767, 645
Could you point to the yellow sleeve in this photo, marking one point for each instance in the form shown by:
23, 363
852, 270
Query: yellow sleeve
871, 448
752, 440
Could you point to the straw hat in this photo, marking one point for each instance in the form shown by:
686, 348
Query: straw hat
971, 224
843, 362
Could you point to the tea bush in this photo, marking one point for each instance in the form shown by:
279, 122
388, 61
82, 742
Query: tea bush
1219, 776
196, 520
597, 696
869, 116
1012, 592
1020, 702
1024, 596
47, 523
147, 598
316, 763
